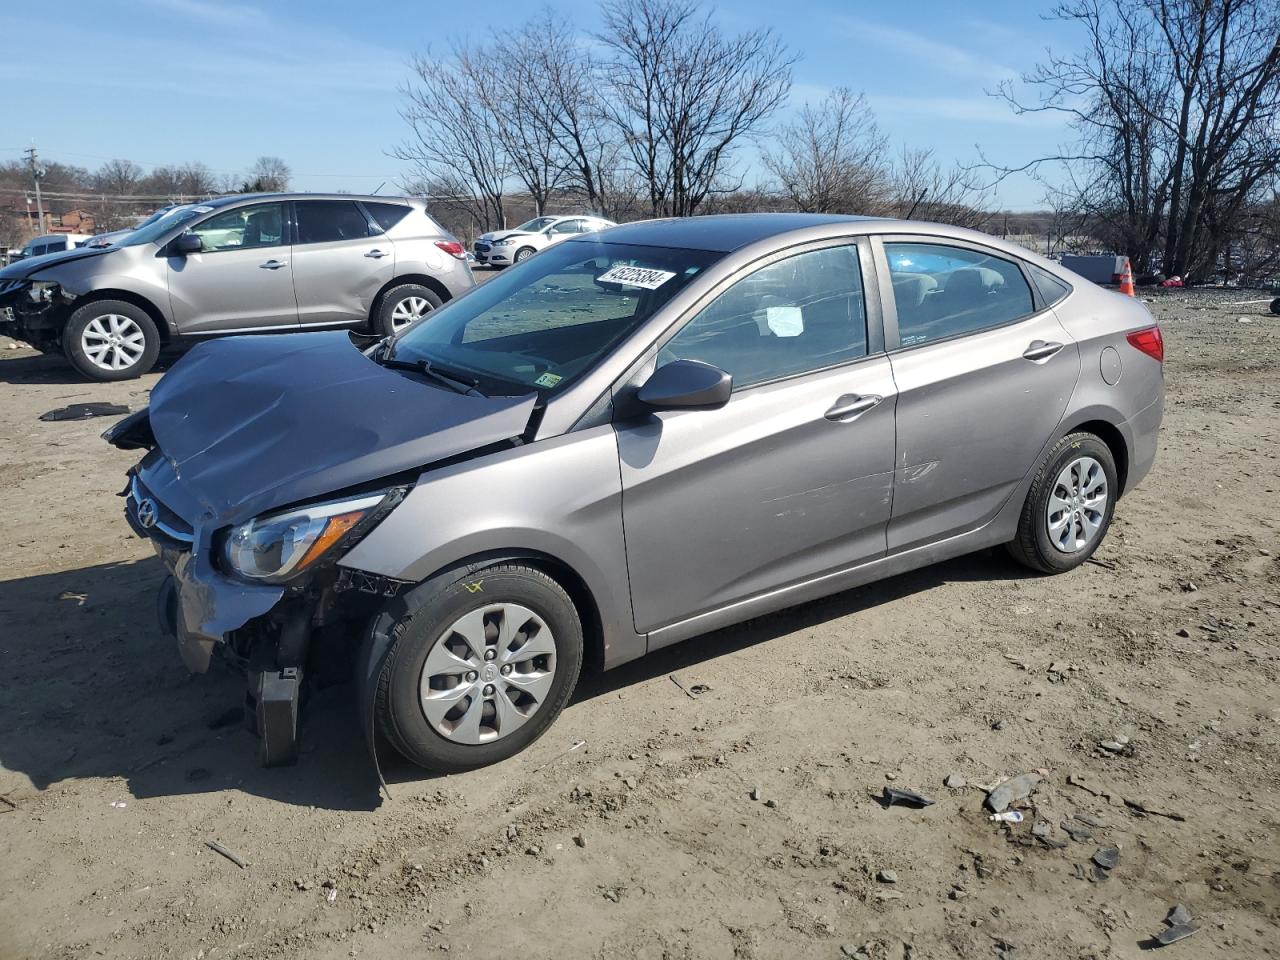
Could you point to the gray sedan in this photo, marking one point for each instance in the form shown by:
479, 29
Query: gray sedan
634, 438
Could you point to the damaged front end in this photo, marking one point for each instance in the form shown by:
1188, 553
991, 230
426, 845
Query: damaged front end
33, 310
267, 460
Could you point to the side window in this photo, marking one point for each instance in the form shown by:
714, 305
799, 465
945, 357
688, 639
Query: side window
1051, 288
566, 226
259, 225
799, 314
324, 221
56, 246
943, 291
387, 215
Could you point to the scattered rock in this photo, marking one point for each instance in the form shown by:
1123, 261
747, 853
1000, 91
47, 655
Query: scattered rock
1012, 790
772, 804
1178, 914
1076, 831
887, 876
1041, 828
533, 851
1179, 931
1184, 632
755, 793
579, 840
1107, 857
955, 782
907, 798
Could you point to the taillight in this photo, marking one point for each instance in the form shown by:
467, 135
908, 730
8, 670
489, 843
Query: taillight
1149, 341
453, 248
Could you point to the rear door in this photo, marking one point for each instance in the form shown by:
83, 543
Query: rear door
789, 480
341, 259
984, 371
241, 279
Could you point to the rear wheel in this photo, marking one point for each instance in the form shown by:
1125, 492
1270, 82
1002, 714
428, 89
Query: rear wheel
404, 305
480, 669
111, 340
1069, 506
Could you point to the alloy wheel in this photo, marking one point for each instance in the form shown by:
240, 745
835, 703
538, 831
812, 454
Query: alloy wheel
488, 673
113, 342
1077, 505
407, 311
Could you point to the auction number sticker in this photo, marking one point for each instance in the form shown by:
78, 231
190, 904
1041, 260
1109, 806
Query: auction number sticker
630, 276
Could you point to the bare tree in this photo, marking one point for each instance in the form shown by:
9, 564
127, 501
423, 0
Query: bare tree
114, 180
923, 189
683, 97
267, 175
456, 145
190, 181
831, 159
1174, 104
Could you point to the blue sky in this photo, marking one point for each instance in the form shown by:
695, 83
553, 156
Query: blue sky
167, 81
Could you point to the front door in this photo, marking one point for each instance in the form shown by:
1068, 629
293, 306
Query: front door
983, 377
789, 480
340, 262
241, 279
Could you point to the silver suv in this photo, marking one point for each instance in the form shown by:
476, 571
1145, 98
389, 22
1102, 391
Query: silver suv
243, 264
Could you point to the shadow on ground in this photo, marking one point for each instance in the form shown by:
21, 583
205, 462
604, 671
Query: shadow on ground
94, 689
52, 367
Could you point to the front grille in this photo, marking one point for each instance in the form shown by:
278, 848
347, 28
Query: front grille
481, 246
166, 524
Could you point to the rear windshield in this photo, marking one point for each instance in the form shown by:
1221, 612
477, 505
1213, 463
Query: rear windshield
543, 323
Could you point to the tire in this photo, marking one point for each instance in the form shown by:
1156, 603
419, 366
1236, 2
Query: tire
104, 333
1275, 306
415, 298
523, 254
1049, 548
406, 683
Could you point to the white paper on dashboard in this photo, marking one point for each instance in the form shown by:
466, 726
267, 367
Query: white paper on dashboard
785, 321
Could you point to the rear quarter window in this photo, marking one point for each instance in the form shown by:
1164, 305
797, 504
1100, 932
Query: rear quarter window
1052, 289
386, 215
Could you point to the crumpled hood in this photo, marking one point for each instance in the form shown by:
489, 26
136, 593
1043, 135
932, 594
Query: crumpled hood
497, 235
256, 422
25, 268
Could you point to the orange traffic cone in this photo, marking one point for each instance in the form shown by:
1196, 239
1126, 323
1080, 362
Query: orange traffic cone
1126, 280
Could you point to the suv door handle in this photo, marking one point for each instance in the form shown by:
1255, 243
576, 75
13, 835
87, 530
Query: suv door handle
375, 254
851, 406
274, 264
1041, 350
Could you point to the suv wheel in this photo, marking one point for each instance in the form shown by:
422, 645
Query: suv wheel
524, 253
111, 340
1068, 507
403, 305
480, 669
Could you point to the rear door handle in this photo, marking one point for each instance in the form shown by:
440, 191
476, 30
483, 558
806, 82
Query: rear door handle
274, 264
851, 406
375, 254
1041, 350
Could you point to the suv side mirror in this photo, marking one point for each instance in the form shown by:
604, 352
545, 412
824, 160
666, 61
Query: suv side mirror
686, 383
186, 243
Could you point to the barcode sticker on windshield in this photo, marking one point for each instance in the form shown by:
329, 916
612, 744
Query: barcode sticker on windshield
630, 276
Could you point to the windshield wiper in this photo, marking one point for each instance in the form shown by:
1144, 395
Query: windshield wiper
424, 367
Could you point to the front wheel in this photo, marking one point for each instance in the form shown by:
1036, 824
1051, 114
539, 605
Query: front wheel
480, 669
1069, 506
111, 340
523, 254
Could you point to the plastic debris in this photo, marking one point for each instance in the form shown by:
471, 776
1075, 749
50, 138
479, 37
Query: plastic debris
1006, 816
227, 852
85, 411
1012, 790
907, 798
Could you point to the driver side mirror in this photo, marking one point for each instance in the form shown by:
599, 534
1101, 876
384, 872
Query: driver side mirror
682, 384
186, 243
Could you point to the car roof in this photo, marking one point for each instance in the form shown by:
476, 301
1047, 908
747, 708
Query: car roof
720, 232
244, 197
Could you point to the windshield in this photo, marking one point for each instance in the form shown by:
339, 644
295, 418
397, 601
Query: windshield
541, 324
536, 224
150, 232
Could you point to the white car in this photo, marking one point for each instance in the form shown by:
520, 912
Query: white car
49, 243
501, 248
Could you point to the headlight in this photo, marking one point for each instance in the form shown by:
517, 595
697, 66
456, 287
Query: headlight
502, 243
42, 291
280, 546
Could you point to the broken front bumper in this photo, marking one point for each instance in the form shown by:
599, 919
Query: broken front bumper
201, 604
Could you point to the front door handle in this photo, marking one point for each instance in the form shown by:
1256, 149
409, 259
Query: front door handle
851, 406
274, 264
375, 254
1041, 350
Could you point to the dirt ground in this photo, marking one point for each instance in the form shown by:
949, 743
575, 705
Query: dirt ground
658, 821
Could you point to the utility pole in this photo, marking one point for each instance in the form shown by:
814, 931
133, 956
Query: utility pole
37, 173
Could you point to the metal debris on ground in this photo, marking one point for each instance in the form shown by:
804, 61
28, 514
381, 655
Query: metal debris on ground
230, 854
1178, 926
908, 798
84, 411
